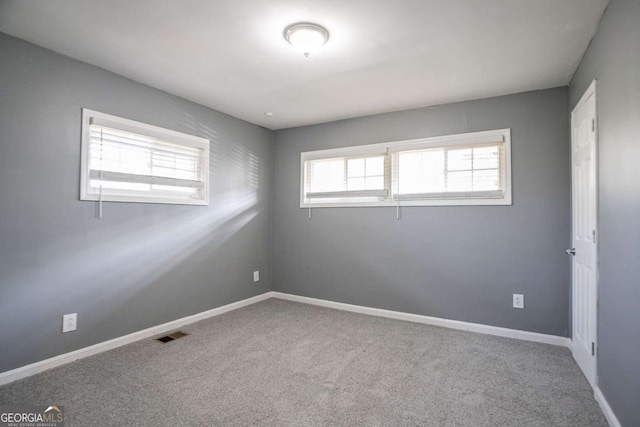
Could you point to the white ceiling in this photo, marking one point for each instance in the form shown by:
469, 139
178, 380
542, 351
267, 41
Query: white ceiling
382, 55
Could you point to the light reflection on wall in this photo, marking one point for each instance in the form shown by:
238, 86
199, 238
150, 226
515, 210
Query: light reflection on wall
113, 261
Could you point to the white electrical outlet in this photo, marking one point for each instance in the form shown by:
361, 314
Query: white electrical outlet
69, 322
518, 301
256, 276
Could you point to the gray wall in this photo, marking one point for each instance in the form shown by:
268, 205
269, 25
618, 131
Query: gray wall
614, 59
141, 264
455, 262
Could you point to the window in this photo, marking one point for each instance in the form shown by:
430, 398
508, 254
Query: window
347, 179
467, 169
359, 177
128, 161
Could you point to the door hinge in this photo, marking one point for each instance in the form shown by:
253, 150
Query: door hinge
593, 349
593, 233
593, 125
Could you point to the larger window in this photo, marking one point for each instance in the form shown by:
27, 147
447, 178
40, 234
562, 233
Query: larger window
466, 169
128, 161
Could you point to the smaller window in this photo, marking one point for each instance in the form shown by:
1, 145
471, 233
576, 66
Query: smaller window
128, 161
357, 178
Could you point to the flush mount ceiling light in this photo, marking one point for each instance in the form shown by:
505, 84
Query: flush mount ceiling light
306, 37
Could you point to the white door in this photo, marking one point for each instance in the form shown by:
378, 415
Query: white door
584, 232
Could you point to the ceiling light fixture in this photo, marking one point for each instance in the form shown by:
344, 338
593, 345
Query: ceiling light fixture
306, 37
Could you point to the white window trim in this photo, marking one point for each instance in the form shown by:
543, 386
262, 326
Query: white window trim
90, 116
392, 147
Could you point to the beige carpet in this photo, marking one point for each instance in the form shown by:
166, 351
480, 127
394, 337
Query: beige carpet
280, 363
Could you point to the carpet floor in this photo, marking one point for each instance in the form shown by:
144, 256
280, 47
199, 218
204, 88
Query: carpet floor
279, 363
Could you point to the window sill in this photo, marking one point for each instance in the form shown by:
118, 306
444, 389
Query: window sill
409, 203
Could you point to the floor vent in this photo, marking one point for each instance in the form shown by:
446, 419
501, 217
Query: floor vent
174, 336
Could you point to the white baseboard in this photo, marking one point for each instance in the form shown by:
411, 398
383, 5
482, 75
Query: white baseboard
446, 323
37, 367
606, 409
43, 365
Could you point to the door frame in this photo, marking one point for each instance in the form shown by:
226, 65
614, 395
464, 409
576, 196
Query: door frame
589, 92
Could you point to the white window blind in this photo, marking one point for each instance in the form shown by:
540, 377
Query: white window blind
130, 161
355, 177
460, 171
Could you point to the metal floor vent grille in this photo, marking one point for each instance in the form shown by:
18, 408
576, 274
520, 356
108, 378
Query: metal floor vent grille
171, 337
